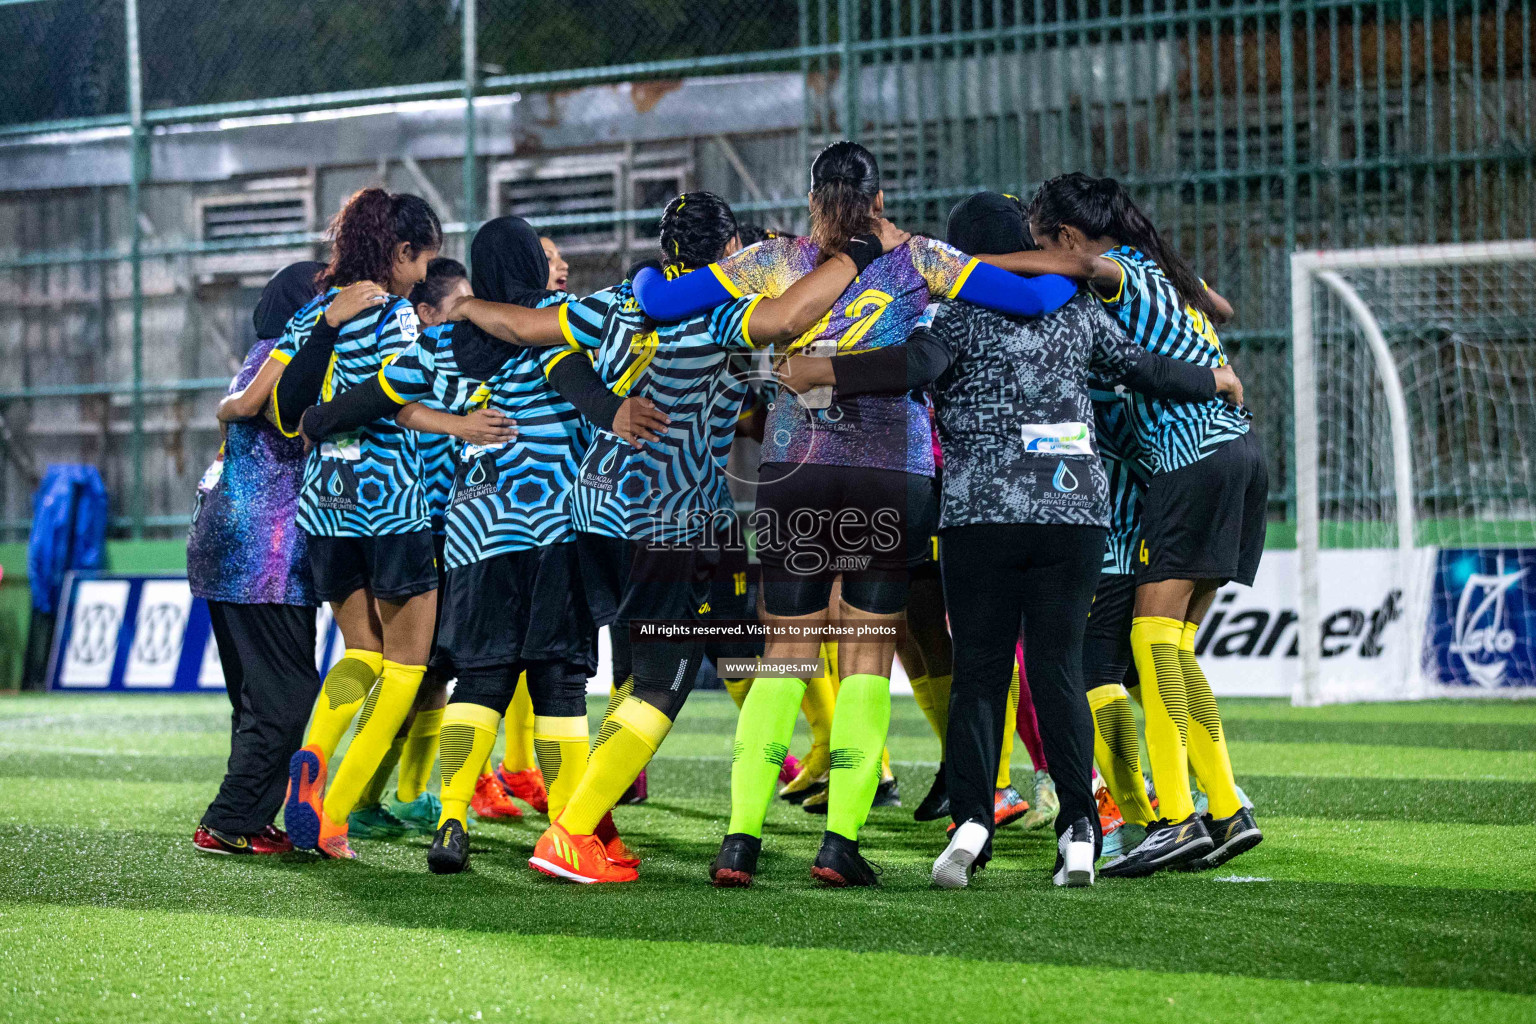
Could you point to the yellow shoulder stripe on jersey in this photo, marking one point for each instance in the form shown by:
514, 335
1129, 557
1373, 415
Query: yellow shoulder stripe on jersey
746, 321
565, 324
277, 418
394, 396
280, 356
954, 289
725, 281
555, 359
646, 345
1119, 290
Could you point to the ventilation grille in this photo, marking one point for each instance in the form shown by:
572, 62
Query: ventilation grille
252, 216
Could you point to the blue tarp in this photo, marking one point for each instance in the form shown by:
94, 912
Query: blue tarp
69, 530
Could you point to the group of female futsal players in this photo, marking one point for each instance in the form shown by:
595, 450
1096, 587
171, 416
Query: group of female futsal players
582, 485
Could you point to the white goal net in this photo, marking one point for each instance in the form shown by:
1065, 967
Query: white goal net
1415, 438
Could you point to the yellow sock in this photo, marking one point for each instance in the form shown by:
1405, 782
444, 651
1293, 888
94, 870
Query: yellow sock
738, 689
625, 744
931, 694
347, 684
1208, 756
380, 720
885, 764
1005, 756
819, 702
487, 767
561, 747
616, 694
518, 755
374, 791
1117, 748
469, 733
419, 755
1155, 646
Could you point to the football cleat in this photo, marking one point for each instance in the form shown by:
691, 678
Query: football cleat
802, 786
608, 834
375, 822
839, 864
736, 863
211, 840
1075, 855
1167, 845
963, 857
574, 858
1045, 805
527, 785
333, 840
1110, 817
306, 791
449, 853
271, 840
816, 803
491, 803
1008, 806
1232, 836
421, 814
887, 794
936, 804
789, 769
1123, 839
638, 792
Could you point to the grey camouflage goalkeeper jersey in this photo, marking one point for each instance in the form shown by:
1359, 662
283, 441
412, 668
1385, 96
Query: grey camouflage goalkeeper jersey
1014, 416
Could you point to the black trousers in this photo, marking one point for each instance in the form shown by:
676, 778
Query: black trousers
999, 580
268, 654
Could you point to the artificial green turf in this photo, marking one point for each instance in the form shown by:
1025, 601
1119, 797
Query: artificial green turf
1397, 880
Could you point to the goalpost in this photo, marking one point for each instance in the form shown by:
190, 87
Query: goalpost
1414, 371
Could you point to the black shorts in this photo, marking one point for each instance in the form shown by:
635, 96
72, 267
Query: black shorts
517, 607
1206, 521
392, 567
628, 581
733, 598
1107, 655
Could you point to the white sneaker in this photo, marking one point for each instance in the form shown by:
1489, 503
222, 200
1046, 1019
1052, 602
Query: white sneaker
954, 867
1074, 855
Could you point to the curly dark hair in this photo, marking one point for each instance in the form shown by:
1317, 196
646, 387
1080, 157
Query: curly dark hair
442, 272
751, 234
1102, 208
695, 229
845, 179
366, 230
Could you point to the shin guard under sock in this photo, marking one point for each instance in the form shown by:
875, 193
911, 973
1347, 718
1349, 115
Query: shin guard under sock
859, 727
1208, 756
469, 733
1155, 646
561, 747
763, 731
625, 744
346, 686
377, 725
419, 755
1117, 748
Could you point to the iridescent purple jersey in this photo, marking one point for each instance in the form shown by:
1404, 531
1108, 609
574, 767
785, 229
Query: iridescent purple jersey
880, 308
245, 546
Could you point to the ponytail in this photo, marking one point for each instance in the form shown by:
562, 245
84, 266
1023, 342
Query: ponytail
845, 179
1102, 208
366, 230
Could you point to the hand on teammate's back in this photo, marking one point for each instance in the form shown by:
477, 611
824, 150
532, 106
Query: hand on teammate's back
638, 421
1228, 387
487, 426
891, 236
802, 373
352, 300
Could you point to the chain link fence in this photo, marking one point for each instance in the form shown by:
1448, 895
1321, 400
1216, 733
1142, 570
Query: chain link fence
144, 201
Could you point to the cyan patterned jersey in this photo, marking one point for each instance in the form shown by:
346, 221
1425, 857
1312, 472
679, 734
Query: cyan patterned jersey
1171, 434
1127, 476
672, 489
438, 462
880, 308
510, 496
367, 483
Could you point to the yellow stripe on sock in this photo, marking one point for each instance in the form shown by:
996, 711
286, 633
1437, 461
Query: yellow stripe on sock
1155, 647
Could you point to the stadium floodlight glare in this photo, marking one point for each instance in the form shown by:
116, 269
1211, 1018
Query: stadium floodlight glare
1414, 370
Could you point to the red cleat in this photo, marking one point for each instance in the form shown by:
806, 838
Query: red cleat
491, 803
527, 785
559, 854
1008, 806
306, 791
333, 840
207, 840
608, 834
1110, 817
271, 840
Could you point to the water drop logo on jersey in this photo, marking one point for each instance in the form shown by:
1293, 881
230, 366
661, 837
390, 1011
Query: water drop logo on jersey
1484, 618
477, 475
338, 487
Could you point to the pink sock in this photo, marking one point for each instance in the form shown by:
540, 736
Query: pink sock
1024, 721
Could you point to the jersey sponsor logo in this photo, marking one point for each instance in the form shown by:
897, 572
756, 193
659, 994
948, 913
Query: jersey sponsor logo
1064, 479
599, 469
1056, 438
405, 320
477, 477
339, 491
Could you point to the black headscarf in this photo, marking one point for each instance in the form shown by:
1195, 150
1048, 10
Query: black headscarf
988, 224
509, 263
287, 293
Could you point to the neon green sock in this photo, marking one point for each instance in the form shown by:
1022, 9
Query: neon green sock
763, 731
859, 725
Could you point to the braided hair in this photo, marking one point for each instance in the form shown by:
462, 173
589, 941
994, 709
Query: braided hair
695, 229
